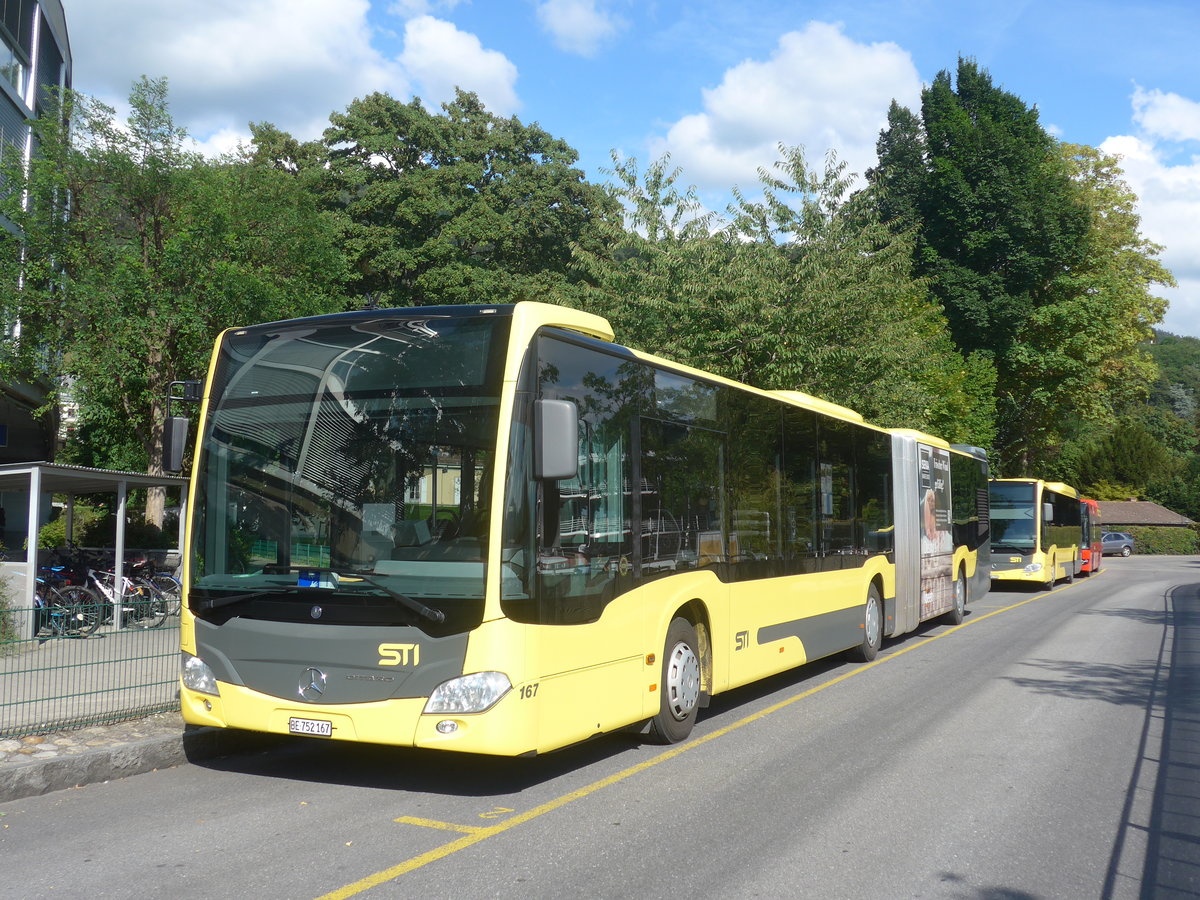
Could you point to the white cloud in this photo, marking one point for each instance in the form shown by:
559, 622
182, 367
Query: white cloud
1168, 192
577, 26
1167, 116
819, 89
290, 62
440, 57
220, 142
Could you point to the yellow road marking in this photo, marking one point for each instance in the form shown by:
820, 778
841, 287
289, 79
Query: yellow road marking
475, 835
441, 826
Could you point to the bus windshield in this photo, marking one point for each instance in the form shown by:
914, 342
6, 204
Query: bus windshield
344, 470
1014, 519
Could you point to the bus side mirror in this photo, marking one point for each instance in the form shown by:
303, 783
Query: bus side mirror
175, 431
175, 428
1047, 512
556, 439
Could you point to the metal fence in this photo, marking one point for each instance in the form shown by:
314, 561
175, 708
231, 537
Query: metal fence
53, 682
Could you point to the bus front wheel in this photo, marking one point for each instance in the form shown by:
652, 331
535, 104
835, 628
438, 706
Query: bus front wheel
679, 689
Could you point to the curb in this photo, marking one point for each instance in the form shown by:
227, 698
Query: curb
193, 744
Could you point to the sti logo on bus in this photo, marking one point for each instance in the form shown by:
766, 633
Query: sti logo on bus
400, 655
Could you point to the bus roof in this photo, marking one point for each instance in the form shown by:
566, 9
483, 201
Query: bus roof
528, 316
1057, 487
799, 398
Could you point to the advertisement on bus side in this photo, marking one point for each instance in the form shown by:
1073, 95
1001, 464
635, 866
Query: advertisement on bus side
937, 539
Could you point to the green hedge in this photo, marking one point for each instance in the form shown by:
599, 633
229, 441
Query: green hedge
98, 528
1150, 540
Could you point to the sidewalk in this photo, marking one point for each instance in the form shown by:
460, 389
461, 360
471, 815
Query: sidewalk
40, 764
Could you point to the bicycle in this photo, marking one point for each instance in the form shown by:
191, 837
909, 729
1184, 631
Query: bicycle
171, 590
64, 610
140, 602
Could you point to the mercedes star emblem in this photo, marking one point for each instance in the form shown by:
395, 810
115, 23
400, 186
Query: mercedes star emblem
312, 684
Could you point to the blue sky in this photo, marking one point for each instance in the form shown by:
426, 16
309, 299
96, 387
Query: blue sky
718, 85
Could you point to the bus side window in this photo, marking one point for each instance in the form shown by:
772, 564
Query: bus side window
798, 491
584, 549
754, 481
837, 517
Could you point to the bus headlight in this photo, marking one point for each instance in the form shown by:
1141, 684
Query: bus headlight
468, 693
197, 676
1033, 568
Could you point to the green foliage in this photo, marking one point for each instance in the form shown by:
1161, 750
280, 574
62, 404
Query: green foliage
1108, 490
462, 207
140, 534
1180, 490
1129, 454
1178, 360
1171, 418
54, 533
1152, 540
1032, 250
160, 251
803, 290
95, 526
8, 617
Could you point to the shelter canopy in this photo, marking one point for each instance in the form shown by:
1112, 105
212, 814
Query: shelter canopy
39, 478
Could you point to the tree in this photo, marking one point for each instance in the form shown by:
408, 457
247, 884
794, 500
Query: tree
462, 207
135, 253
1090, 337
1032, 251
803, 290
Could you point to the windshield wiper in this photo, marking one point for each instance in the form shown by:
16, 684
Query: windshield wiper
409, 603
207, 603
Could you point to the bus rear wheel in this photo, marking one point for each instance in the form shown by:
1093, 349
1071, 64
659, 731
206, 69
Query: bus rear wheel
872, 628
959, 612
679, 688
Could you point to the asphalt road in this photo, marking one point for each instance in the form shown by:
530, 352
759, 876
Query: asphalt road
1047, 748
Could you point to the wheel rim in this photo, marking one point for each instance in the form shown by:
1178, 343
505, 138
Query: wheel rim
873, 622
960, 595
682, 681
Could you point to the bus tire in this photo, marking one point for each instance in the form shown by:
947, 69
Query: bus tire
1071, 572
1053, 569
872, 628
679, 688
959, 612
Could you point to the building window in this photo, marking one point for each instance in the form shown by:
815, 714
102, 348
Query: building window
12, 67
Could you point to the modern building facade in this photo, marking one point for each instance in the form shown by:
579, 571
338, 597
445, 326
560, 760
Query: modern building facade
35, 59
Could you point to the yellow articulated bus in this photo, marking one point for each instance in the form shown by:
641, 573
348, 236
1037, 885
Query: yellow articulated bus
1038, 531
493, 530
